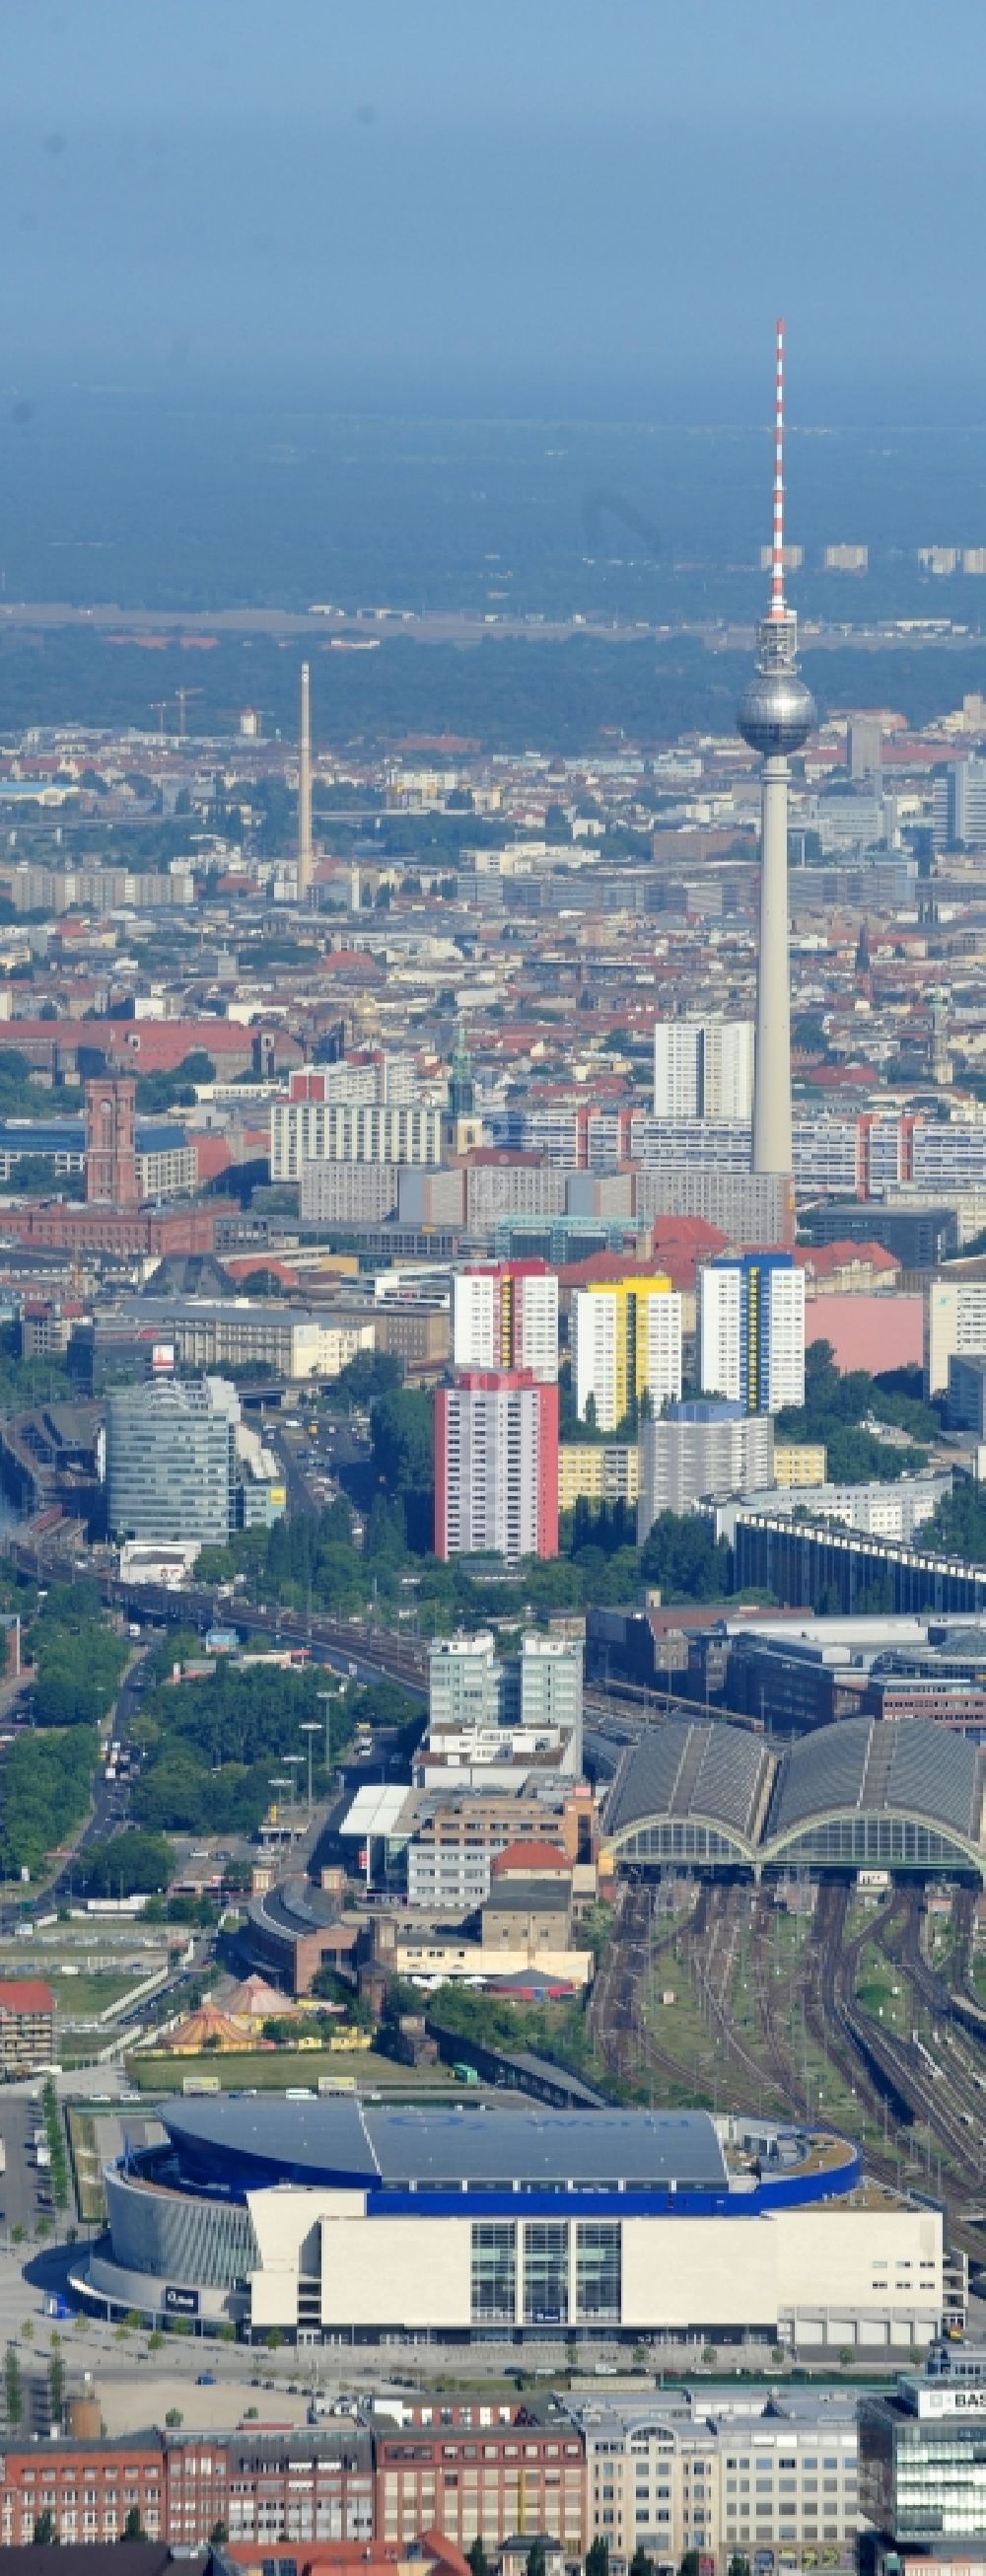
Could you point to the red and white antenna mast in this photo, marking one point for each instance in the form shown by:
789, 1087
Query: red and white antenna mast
778, 607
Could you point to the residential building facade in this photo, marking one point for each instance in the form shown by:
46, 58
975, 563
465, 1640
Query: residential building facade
703, 1069
496, 1466
505, 1316
751, 1330
701, 1447
626, 1349
309, 1126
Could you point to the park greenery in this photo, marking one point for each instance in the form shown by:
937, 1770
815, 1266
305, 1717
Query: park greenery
133, 1863
314, 1561
212, 1744
47, 1780
24, 1383
79, 1659
19, 1096
839, 1403
55, 2134
159, 1092
554, 2030
958, 1525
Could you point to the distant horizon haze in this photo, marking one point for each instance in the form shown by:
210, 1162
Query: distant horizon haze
582, 211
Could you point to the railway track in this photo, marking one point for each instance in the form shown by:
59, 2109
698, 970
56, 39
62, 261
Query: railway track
732, 1929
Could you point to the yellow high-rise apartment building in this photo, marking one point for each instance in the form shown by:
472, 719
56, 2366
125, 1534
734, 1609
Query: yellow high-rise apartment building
626, 1345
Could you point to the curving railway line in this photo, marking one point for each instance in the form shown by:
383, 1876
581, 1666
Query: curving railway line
933, 2085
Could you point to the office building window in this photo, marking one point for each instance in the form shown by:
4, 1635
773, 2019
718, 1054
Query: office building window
598, 2269
494, 2273
545, 2273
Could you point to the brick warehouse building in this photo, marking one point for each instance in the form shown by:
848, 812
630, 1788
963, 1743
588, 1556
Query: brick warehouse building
483, 2481
337, 2482
265, 2485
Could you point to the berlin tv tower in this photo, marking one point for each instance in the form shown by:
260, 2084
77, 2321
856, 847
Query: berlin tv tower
775, 716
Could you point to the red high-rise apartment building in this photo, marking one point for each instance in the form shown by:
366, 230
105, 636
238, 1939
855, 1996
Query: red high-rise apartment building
496, 1465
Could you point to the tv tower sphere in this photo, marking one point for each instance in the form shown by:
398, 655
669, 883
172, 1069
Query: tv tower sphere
776, 712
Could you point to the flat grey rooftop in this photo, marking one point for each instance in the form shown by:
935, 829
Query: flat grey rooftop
431, 2148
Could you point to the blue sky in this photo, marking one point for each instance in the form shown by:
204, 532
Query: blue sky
517, 205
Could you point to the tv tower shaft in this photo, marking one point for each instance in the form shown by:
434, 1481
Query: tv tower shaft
775, 717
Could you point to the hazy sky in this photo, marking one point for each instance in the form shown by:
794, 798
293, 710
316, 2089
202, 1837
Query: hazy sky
500, 204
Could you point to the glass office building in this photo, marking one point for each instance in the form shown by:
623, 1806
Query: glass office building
922, 2464
170, 1460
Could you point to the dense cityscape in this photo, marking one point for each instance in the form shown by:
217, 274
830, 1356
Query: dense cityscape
492, 1294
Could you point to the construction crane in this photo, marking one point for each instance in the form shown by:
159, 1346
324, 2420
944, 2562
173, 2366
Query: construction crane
181, 700
159, 707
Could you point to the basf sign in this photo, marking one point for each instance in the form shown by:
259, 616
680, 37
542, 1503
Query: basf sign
951, 2401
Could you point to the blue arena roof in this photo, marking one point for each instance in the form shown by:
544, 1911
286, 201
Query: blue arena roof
377, 2148
494, 2158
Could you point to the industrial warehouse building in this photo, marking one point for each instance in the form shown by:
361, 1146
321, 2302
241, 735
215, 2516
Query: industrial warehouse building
891, 1793
351, 2221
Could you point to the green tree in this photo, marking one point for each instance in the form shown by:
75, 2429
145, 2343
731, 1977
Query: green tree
402, 1440
133, 1863
641, 2564
56, 2388
133, 2528
536, 2563
477, 2557
681, 1556
689, 2564
44, 2533
13, 2390
218, 2534
597, 2558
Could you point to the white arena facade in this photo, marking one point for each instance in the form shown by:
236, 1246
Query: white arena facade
338, 2220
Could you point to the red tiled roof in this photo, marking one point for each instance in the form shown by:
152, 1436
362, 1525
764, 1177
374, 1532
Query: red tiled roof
25, 1995
843, 1077
246, 1265
604, 1268
823, 1257
528, 1856
212, 1155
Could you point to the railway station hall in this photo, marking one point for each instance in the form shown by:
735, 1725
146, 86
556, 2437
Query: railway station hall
896, 1794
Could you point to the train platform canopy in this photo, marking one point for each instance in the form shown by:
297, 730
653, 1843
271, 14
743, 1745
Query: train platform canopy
376, 1811
702, 1785
900, 1793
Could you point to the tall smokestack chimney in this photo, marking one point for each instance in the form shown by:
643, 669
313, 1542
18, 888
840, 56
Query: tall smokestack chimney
305, 794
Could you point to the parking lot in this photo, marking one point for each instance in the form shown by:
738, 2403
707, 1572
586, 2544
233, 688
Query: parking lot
24, 2194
